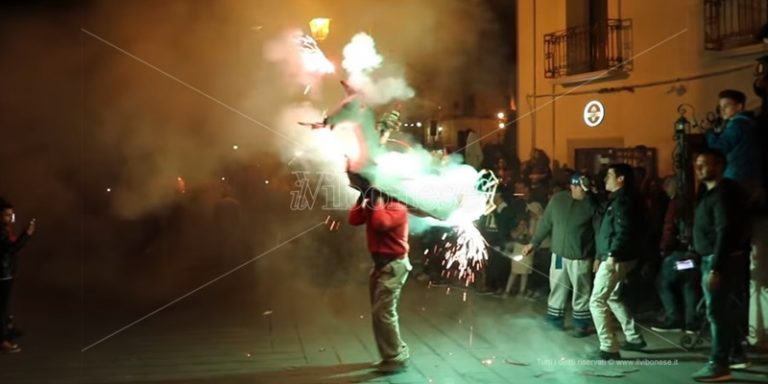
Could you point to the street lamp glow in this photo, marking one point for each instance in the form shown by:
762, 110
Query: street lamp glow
501, 125
500, 115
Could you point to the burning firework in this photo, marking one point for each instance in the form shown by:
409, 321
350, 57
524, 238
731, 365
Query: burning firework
451, 193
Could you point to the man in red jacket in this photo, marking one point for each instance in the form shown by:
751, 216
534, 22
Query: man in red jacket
386, 225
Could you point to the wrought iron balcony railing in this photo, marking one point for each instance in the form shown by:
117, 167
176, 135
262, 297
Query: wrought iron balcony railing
595, 47
733, 23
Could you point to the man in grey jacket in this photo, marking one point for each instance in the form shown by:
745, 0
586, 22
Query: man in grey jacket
568, 220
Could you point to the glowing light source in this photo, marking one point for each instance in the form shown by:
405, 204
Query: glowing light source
320, 28
500, 115
418, 124
109, 189
181, 185
235, 147
501, 125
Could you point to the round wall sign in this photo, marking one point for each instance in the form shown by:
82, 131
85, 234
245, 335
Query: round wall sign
594, 112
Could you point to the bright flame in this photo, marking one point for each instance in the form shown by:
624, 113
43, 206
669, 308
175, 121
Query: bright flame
320, 27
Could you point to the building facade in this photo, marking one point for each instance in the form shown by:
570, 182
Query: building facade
639, 61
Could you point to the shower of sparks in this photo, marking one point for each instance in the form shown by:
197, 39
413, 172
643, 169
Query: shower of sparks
467, 252
313, 59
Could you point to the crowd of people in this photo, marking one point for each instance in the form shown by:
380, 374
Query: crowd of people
603, 244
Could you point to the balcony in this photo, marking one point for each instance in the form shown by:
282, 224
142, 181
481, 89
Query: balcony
589, 48
732, 24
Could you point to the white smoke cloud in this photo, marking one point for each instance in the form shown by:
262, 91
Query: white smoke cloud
302, 61
360, 56
360, 60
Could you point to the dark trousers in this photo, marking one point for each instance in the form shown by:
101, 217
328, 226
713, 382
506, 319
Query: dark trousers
726, 310
497, 270
539, 280
673, 284
5, 297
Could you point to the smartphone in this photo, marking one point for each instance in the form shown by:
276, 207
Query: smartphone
682, 265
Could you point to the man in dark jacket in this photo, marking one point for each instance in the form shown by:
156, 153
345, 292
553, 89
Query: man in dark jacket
10, 244
568, 220
386, 227
618, 243
721, 238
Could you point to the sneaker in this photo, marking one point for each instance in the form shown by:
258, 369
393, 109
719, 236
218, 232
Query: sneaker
711, 373
691, 329
739, 362
391, 366
9, 347
638, 346
667, 327
603, 355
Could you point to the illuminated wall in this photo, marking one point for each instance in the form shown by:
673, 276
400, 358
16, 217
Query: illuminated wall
665, 45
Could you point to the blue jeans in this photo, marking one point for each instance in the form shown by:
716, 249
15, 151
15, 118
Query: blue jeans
724, 310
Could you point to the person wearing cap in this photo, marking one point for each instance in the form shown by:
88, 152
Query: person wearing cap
569, 221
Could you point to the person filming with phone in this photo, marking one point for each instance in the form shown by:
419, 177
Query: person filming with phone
10, 244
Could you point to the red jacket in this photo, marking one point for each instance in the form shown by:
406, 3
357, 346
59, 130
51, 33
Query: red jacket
386, 227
